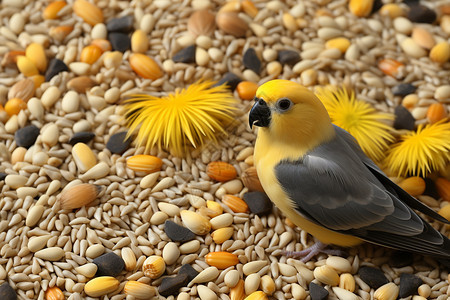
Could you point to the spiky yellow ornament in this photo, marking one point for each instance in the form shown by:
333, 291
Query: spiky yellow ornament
421, 152
360, 119
192, 115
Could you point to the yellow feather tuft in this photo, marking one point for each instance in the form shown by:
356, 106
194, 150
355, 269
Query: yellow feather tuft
192, 115
360, 119
421, 152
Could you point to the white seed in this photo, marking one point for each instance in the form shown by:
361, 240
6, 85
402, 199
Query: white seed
17, 23
424, 290
158, 218
411, 48
129, 258
70, 102
205, 293
80, 68
340, 264
40, 158
98, 171
442, 93
95, 251
403, 25
112, 95
231, 279
37, 243
221, 221
82, 125
50, 96
251, 283
15, 181
34, 215
201, 56
170, 253
343, 294
50, 254
24, 191
170, 209
50, 135
328, 33
215, 54
208, 274
189, 247
99, 31
254, 266
165, 183
88, 270
287, 270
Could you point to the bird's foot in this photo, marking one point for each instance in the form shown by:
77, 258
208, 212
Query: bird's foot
312, 251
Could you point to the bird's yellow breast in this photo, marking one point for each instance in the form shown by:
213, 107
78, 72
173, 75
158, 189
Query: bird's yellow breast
267, 156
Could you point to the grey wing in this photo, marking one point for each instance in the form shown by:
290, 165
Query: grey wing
333, 187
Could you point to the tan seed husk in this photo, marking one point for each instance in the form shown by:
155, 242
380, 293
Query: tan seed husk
79, 195
87, 270
206, 275
201, 22
231, 23
23, 89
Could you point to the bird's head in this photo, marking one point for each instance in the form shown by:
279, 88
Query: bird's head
288, 111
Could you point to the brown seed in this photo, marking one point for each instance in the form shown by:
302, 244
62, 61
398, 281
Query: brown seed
144, 163
249, 8
423, 37
89, 12
145, 66
231, 23
250, 180
436, 112
201, 22
415, 185
235, 203
221, 259
104, 45
10, 58
392, 67
238, 292
443, 187
221, 171
59, 33
81, 84
23, 89
79, 195
52, 10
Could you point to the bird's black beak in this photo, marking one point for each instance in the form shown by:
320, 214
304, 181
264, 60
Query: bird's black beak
259, 114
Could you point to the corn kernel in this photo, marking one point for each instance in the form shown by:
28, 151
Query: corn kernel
26, 66
139, 41
246, 90
52, 10
90, 54
14, 106
100, 286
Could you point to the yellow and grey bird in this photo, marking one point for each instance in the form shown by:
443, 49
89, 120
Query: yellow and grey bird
318, 176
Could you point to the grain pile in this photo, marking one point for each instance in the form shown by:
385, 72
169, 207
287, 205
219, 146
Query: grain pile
77, 220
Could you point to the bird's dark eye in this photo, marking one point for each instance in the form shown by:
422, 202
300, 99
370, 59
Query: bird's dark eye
284, 104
